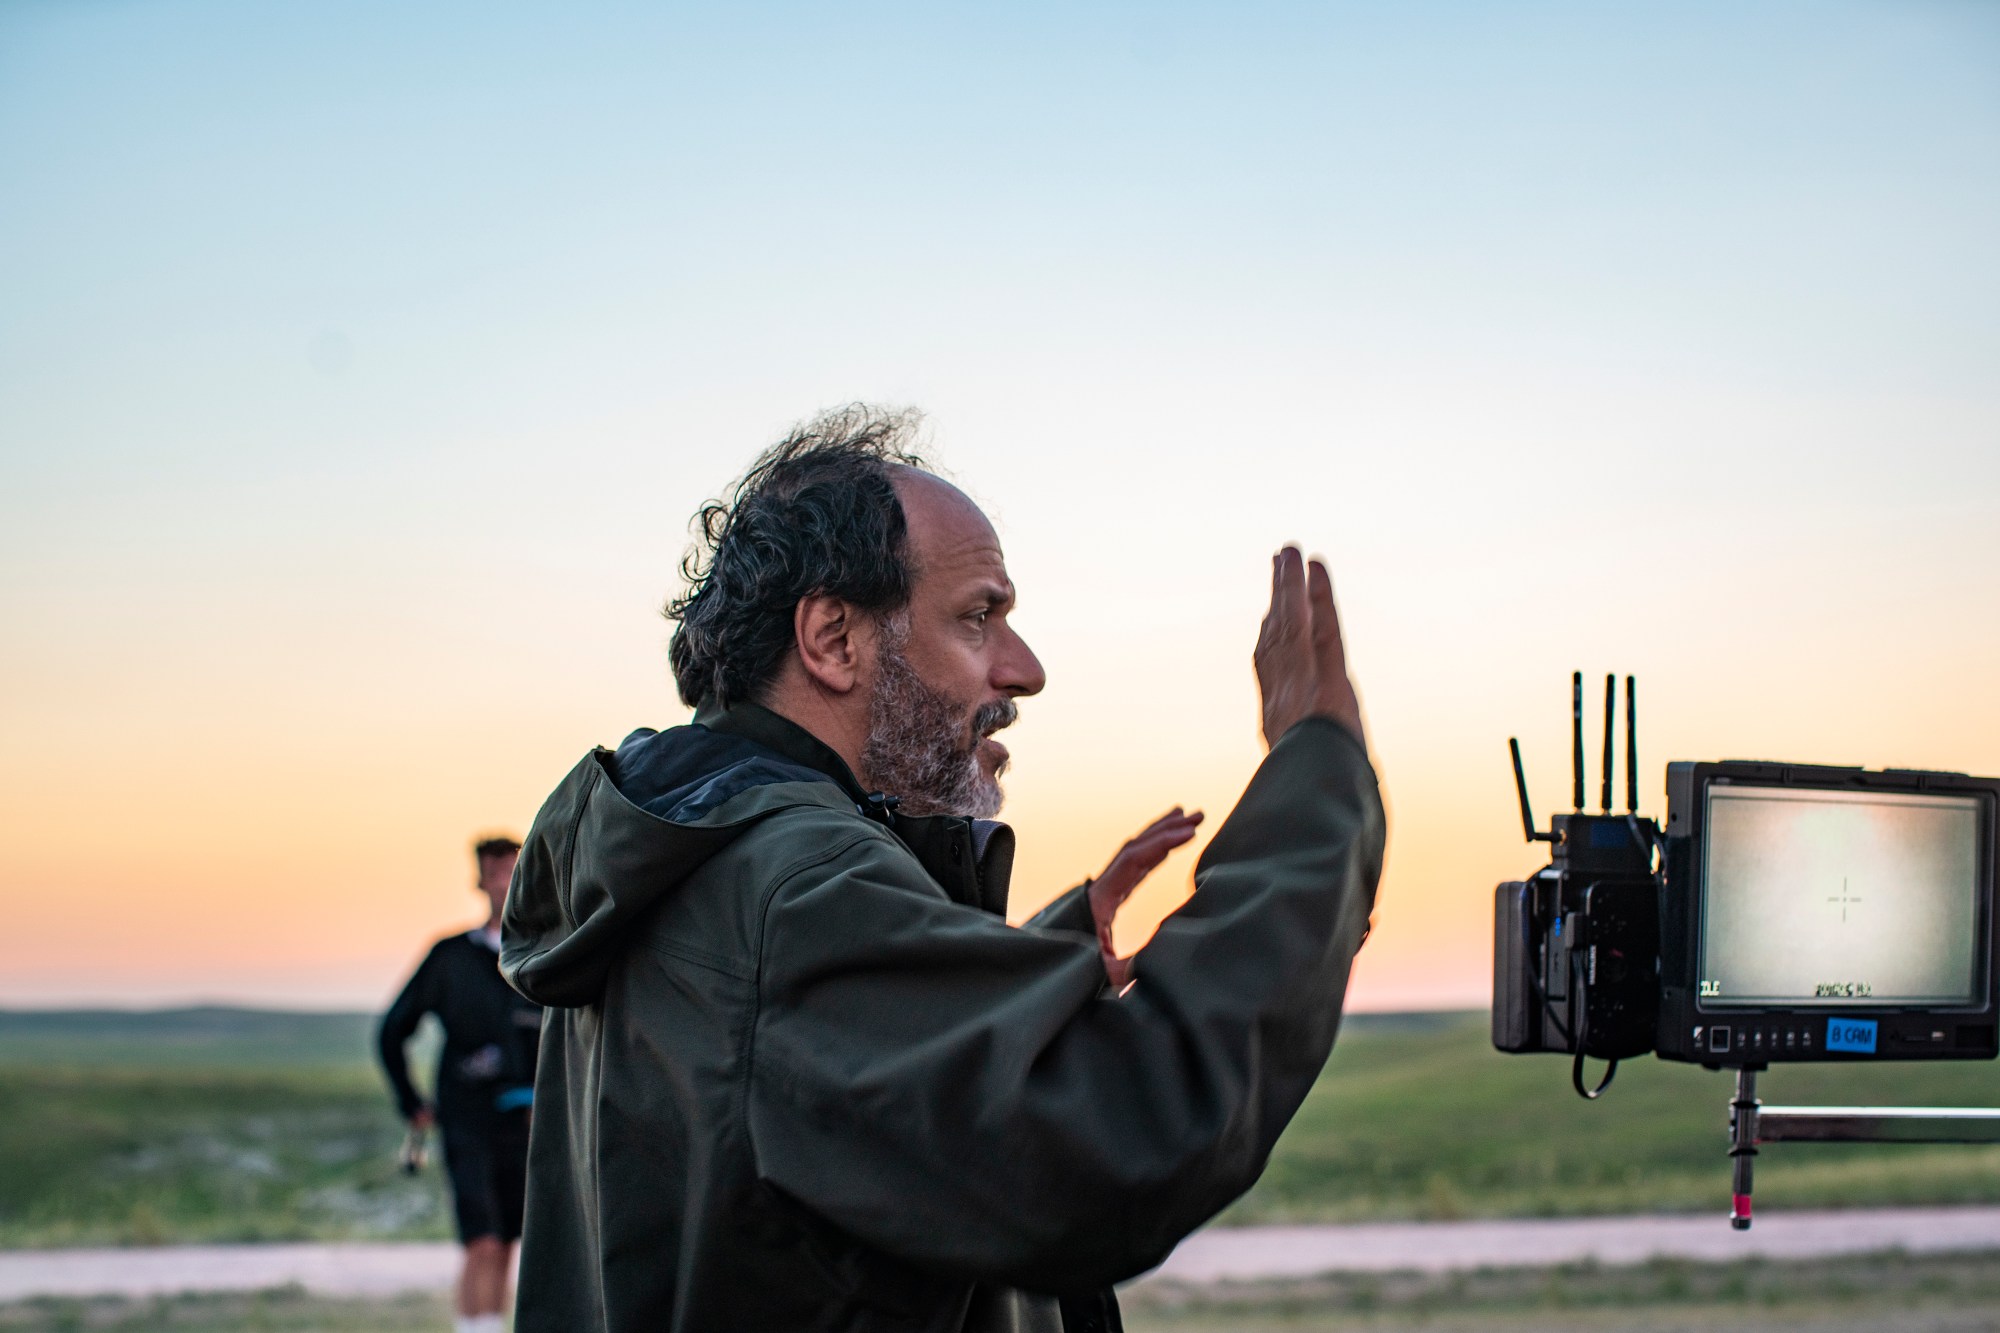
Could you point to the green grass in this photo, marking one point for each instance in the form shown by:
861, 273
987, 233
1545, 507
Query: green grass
1421, 1118
201, 1125
226, 1125
116, 1156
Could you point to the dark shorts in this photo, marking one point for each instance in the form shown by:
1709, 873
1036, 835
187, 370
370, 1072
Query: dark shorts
487, 1162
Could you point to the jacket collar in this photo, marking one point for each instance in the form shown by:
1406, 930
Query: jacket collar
754, 722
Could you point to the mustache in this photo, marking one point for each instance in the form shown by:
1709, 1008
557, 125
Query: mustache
993, 716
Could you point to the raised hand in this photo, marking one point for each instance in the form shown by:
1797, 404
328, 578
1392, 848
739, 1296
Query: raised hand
1134, 861
1301, 661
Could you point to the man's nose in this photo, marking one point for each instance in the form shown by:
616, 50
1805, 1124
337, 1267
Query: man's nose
1019, 672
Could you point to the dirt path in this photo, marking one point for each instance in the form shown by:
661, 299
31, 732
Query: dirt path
343, 1269
367, 1269
1436, 1247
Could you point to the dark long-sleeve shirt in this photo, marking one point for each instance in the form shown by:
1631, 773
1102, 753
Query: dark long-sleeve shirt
490, 1033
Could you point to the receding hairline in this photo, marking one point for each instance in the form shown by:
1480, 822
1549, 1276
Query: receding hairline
906, 478
930, 502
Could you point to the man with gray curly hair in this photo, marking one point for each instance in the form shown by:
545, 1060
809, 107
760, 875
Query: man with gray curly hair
799, 1072
794, 524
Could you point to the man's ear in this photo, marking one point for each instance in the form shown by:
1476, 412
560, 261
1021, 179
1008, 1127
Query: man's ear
832, 641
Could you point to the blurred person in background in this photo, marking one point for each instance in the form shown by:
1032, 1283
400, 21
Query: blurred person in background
484, 1087
804, 1075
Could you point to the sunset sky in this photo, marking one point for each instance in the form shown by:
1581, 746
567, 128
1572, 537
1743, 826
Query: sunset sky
362, 364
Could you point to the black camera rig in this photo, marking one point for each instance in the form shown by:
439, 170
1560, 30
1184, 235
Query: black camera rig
1785, 913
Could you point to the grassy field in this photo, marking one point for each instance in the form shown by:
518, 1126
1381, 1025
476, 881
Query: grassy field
1418, 1117
224, 1125
201, 1125
1885, 1293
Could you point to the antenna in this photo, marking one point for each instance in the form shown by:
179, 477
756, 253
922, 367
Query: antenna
1576, 737
1631, 744
1521, 786
1610, 709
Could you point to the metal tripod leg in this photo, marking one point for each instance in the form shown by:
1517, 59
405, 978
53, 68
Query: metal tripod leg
1742, 1146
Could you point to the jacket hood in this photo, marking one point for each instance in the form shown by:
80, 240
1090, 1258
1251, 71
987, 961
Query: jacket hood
626, 827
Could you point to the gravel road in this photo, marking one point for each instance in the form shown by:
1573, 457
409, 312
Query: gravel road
367, 1269
1437, 1247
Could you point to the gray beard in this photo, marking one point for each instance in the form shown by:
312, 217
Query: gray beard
921, 748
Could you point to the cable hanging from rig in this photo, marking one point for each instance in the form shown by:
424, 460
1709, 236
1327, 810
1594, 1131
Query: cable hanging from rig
1579, 986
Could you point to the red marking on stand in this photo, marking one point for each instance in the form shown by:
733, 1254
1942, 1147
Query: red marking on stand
1739, 1205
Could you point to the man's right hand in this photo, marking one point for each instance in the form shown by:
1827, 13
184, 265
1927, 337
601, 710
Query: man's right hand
1301, 661
1135, 860
423, 1117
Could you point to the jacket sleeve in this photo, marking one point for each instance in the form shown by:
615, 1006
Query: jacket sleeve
399, 1025
1070, 911
967, 1097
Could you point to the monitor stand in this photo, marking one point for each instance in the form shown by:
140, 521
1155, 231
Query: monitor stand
1751, 1123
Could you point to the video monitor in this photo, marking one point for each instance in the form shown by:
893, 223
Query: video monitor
1813, 913
1839, 899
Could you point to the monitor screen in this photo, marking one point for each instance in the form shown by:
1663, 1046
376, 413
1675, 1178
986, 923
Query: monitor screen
1836, 899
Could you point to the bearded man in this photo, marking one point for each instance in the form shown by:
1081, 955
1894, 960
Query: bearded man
799, 1072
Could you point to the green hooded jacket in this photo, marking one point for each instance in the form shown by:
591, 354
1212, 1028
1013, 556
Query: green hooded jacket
799, 1073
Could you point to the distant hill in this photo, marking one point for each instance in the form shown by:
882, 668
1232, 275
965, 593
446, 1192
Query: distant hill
213, 1036
226, 1037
